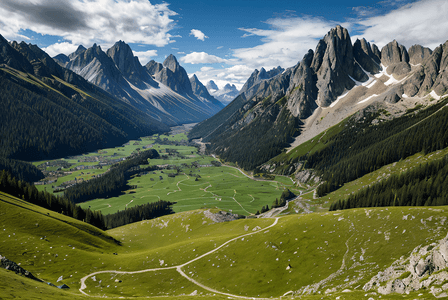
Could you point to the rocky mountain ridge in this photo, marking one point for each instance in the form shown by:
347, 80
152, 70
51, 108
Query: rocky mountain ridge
225, 95
163, 91
330, 83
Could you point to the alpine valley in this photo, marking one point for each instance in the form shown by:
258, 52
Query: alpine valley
324, 180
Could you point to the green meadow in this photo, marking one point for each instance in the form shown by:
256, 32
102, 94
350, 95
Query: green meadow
310, 255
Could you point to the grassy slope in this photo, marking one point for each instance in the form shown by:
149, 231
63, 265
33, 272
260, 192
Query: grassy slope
313, 245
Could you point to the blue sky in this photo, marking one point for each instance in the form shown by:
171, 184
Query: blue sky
222, 40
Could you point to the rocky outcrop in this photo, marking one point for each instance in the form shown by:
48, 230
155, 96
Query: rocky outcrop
12, 58
396, 58
303, 89
362, 52
174, 76
153, 67
12, 266
129, 65
222, 216
78, 51
335, 66
257, 81
418, 54
425, 268
198, 88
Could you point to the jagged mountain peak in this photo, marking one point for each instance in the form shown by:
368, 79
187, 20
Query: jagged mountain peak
78, 51
418, 54
129, 65
198, 88
211, 85
393, 53
171, 63
335, 66
230, 87
364, 55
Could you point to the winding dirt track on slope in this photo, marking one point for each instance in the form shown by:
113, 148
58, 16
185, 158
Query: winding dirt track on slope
179, 268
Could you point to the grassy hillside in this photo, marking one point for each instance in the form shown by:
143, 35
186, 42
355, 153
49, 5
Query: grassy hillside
304, 254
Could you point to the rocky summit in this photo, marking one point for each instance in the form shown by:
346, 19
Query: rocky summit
331, 82
162, 91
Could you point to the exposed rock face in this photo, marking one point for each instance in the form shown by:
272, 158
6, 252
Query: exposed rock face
12, 266
198, 88
426, 267
418, 54
257, 81
43, 64
128, 64
174, 76
394, 53
303, 88
362, 52
62, 59
396, 58
98, 68
153, 67
222, 216
78, 51
335, 67
119, 72
337, 75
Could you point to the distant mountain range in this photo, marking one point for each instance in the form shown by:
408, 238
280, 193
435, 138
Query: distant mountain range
225, 95
280, 109
163, 91
89, 99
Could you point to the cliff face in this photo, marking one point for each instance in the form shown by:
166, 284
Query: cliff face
163, 91
335, 80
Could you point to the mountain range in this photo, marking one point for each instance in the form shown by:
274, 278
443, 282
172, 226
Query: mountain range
280, 109
163, 91
50, 111
225, 95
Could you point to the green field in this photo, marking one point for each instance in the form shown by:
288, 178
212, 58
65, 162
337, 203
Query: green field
171, 255
218, 187
198, 184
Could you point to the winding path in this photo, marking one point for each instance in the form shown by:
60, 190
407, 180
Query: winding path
179, 268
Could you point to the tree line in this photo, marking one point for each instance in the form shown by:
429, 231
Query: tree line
138, 213
113, 182
28, 192
425, 185
362, 148
259, 141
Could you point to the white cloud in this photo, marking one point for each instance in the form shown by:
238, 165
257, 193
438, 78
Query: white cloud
86, 22
145, 56
59, 48
285, 43
201, 58
198, 34
424, 22
236, 75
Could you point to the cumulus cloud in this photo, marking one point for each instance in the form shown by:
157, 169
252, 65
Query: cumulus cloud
201, 58
86, 22
285, 43
145, 56
58, 48
236, 75
423, 22
198, 34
